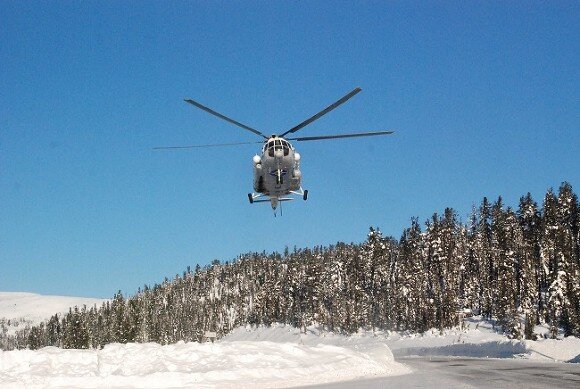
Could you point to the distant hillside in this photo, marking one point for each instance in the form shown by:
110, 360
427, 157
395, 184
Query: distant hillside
19, 311
36, 308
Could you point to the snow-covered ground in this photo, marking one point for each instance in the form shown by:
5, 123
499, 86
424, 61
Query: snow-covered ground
478, 339
277, 356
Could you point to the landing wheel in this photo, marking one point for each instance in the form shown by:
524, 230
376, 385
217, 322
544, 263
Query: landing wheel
305, 196
251, 198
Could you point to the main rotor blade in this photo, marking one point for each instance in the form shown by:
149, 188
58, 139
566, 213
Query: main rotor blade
323, 112
341, 136
202, 146
227, 119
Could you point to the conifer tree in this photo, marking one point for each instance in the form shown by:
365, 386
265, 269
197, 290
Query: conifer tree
533, 276
567, 270
549, 260
483, 249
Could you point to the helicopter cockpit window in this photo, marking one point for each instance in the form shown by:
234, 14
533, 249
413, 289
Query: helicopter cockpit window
271, 148
275, 145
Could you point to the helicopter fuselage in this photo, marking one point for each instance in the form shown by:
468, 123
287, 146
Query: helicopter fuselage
277, 171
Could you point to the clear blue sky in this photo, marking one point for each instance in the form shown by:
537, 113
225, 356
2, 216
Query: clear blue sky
484, 97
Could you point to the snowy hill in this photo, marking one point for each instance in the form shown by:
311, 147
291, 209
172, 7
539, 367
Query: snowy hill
35, 307
28, 308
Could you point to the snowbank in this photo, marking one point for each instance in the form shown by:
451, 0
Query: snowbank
479, 339
279, 356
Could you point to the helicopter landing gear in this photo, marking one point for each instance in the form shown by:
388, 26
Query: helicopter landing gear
256, 198
301, 192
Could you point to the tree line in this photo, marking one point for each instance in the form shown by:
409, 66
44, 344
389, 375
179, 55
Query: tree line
519, 267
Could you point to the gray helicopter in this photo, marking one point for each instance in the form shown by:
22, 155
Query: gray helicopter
277, 173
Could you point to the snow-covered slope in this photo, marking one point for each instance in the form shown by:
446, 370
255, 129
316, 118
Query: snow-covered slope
30, 309
35, 307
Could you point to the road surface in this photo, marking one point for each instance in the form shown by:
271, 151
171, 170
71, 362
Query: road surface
458, 372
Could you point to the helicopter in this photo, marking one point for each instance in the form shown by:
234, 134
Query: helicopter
277, 174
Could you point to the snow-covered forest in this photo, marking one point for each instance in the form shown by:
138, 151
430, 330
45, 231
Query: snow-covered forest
519, 267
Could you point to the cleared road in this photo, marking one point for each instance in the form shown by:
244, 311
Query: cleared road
456, 372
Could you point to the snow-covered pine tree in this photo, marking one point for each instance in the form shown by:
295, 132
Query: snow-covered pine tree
483, 251
436, 271
533, 276
549, 259
472, 290
510, 241
413, 282
452, 252
378, 305
567, 270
